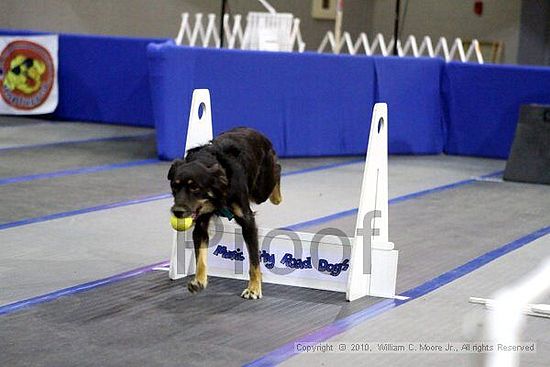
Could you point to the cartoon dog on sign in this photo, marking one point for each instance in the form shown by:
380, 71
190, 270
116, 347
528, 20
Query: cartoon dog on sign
24, 74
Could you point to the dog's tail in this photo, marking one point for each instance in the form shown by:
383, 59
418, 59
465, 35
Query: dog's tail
276, 197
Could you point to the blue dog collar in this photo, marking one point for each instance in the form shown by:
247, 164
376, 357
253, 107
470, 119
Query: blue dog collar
225, 212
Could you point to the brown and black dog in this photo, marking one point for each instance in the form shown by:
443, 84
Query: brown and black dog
236, 168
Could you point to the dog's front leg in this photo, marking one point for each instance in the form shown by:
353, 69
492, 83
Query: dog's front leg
200, 240
245, 218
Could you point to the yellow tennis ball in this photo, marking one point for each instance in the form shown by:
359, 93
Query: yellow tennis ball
181, 224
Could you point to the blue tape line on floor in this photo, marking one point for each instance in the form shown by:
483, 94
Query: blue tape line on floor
76, 289
323, 167
93, 140
83, 211
286, 351
140, 200
414, 195
83, 287
76, 171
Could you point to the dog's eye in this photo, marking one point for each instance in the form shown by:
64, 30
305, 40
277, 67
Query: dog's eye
193, 187
175, 184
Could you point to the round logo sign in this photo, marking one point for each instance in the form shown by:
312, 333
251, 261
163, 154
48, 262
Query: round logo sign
27, 74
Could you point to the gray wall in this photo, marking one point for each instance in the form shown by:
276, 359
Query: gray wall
356, 17
501, 19
157, 18
534, 41
142, 18
455, 18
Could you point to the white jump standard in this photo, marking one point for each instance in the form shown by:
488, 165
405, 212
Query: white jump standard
363, 265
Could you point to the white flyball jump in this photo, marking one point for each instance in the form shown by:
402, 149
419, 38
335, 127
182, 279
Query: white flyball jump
365, 265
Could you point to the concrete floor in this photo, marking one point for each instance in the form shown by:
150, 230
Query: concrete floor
445, 315
88, 201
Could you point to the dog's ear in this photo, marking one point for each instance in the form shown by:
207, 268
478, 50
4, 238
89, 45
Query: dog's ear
172, 170
219, 180
218, 172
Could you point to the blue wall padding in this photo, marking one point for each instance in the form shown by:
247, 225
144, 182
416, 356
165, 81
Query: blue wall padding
411, 88
19, 32
103, 79
307, 104
482, 105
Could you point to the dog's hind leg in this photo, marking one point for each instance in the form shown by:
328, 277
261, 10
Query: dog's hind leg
200, 240
245, 218
276, 196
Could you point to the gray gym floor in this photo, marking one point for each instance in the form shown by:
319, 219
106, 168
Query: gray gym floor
82, 202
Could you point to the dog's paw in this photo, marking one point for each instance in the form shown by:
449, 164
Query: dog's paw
251, 294
194, 286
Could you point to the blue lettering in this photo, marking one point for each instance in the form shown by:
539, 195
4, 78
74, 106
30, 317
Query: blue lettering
227, 254
333, 269
220, 250
323, 264
345, 265
291, 262
268, 259
286, 260
336, 270
239, 256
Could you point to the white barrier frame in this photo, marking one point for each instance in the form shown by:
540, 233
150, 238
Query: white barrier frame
201, 35
373, 259
410, 48
507, 310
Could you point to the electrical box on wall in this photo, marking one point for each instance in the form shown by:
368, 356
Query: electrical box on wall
323, 9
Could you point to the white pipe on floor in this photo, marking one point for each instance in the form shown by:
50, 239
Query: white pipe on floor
506, 320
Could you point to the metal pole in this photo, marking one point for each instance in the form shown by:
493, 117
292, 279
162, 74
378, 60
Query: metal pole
338, 25
396, 27
221, 23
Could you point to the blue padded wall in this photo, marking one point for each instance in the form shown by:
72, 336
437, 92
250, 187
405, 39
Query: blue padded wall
102, 79
411, 87
482, 105
308, 104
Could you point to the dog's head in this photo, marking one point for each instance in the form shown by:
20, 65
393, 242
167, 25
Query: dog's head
197, 188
